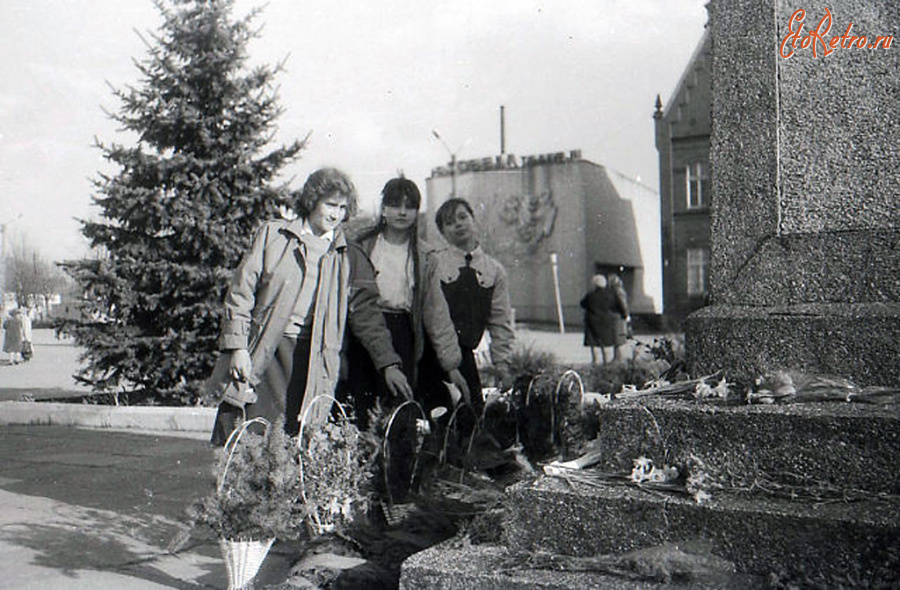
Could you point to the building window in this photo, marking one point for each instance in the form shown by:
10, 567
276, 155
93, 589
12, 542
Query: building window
697, 177
697, 270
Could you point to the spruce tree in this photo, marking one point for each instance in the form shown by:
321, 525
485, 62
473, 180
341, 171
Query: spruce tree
181, 210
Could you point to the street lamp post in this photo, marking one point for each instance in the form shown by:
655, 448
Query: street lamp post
452, 161
3, 227
453, 175
554, 266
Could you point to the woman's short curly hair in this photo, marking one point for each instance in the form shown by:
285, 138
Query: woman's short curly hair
322, 184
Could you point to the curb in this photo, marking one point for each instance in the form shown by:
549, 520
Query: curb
136, 418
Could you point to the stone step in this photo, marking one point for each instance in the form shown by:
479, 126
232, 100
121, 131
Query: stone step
758, 534
491, 567
852, 446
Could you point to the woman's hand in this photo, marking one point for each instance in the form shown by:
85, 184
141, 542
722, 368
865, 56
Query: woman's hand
240, 367
239, 393
459, 381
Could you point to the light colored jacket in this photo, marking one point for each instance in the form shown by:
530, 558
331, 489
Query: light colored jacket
27, 334
447, 262
261, 298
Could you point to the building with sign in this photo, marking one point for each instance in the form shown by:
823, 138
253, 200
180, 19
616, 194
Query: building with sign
557, 210
682, 140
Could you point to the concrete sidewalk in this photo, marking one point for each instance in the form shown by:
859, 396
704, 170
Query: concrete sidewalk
47, 375
97, 509
569, 348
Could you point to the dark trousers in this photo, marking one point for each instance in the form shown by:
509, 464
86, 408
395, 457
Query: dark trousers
279, 393
363, 383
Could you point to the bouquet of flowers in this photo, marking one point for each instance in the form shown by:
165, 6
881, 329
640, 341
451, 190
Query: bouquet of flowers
334, 481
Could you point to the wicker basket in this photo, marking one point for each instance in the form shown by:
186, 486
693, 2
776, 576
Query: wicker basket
243, 560
319, 523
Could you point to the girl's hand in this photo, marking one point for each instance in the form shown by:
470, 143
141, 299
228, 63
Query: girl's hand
459, 381
396, 382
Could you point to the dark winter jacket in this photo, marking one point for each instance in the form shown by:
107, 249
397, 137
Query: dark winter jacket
430, 314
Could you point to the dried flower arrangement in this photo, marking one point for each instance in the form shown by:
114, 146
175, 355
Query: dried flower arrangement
333, 475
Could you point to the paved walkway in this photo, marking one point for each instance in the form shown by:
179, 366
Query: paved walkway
47, 375
568, 348
89, 509
96, 509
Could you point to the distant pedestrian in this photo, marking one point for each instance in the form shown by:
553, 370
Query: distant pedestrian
13, 336
27, 340
603, 306
623, 318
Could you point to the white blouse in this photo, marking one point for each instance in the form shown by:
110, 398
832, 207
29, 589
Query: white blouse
394, 273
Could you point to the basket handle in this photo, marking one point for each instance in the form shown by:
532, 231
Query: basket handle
479, 422
554, 403
571, 373
232, 442
385, 446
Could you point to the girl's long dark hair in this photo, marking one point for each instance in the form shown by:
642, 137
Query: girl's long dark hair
396, 192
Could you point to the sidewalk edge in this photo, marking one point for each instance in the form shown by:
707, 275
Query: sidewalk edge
137, 418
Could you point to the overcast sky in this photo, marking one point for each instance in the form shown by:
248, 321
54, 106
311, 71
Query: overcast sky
370, 79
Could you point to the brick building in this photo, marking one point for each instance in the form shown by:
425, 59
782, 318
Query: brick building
682, 140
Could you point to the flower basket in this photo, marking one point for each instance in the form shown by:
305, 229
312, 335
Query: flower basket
332, 482
472, 427
401, 458
243, 560
256, 498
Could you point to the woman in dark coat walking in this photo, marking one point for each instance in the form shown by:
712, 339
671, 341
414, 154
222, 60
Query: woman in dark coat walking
604, 309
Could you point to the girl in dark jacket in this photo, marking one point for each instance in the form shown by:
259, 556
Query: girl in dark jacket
409, 297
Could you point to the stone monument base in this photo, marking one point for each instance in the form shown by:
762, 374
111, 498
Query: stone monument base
860, 342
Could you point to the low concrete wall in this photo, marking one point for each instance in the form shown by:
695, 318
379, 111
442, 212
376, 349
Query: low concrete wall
138, 418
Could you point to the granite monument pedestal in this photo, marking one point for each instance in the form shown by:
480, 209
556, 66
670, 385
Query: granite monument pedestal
805, 160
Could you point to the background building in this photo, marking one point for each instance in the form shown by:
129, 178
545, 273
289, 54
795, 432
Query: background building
529, 209
682, 140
